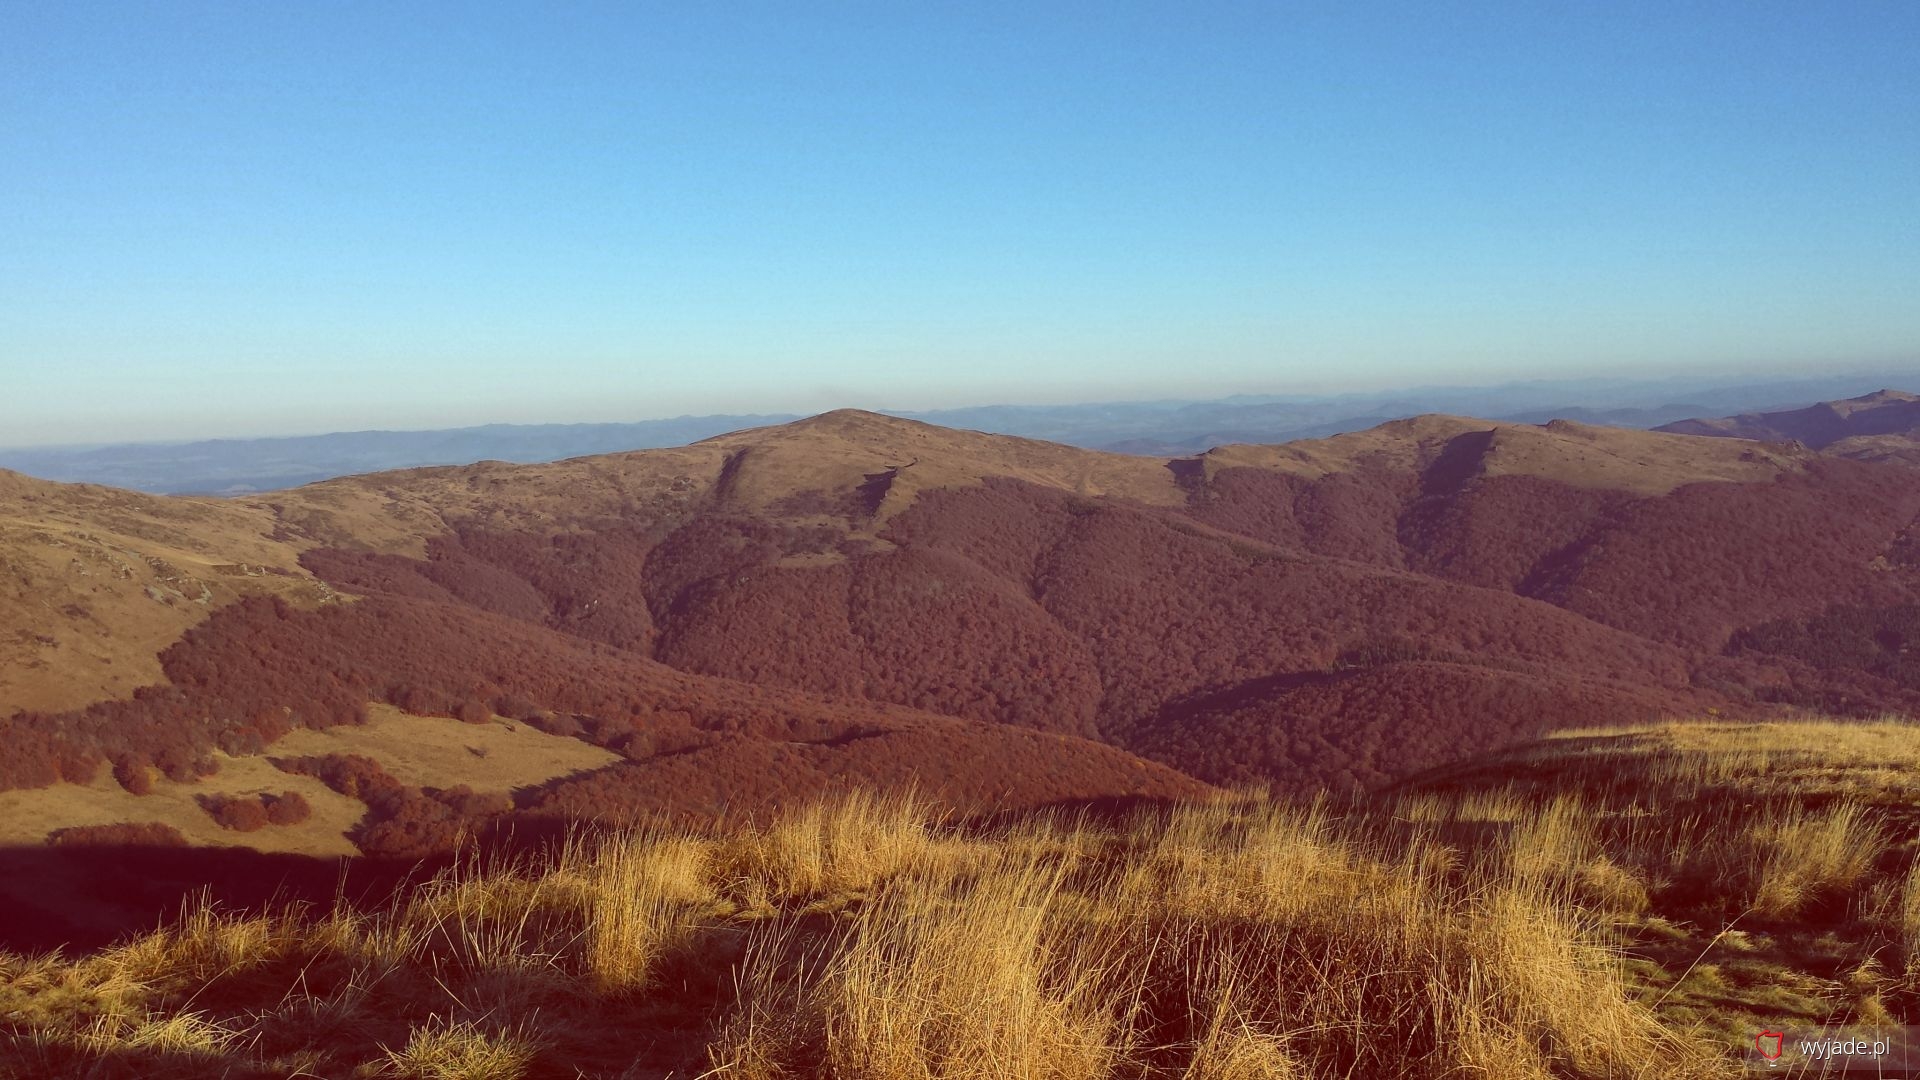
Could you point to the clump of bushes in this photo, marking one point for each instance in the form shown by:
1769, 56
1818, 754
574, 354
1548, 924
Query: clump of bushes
354, 775
250, 813
289, 808
134, 773
247, 814
401, 821
184, 765
516, 707
79, 767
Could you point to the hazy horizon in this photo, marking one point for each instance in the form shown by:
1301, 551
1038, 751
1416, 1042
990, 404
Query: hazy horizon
1867, 379
236, 221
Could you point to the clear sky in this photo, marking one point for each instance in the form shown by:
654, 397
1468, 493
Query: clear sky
257, 218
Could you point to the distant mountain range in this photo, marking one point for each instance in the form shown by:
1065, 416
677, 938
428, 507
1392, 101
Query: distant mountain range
239, 466
1156, 428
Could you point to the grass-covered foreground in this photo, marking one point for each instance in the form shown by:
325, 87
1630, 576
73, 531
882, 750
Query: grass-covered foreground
1624, 904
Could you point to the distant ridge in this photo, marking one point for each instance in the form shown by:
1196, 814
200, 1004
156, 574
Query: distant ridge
242, 466
1884, 425
1146, 428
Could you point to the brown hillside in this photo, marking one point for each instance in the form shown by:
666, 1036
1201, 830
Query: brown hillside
860, 599
260, 668
977, 768
1583, 455
1686, 565
99, 580
840, 464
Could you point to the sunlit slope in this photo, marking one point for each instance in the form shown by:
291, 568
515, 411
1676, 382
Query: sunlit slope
95, 581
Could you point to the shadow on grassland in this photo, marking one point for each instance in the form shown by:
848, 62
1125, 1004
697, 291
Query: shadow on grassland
84, 897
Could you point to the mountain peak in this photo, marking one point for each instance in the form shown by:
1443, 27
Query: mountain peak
1879, 399
858, 422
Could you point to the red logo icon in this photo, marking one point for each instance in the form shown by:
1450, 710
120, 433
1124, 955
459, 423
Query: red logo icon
1770, 1044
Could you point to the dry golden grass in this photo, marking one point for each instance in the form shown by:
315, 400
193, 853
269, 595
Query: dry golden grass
1907, 923
1229, 941
462, 1052
1609, 904
638, 891
1756, 873
955, 979
434, 751
1801, 853
848, 847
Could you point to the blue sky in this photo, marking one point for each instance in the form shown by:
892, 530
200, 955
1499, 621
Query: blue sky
253, 218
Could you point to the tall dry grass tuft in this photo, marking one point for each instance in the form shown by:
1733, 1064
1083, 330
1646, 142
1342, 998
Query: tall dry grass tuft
1244, 857
641, 894
827, 849
1549, 845
960, 982
203, 944
462, 1052
186, 1035
1555, 849
1556, 992
1798, 855
1892, 906
939, 979
1507, 986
